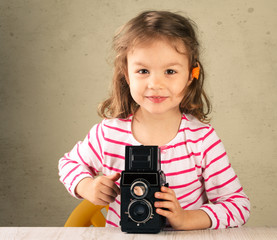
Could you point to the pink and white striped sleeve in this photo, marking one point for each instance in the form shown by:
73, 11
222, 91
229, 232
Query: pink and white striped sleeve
230, 207
84, 160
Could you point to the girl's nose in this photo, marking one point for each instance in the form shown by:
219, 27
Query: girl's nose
155, 82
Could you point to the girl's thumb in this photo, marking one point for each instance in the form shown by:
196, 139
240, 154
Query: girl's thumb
114, 177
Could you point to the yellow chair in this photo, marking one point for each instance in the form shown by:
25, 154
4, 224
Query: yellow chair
87, 214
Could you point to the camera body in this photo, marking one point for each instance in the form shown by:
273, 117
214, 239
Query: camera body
139, 182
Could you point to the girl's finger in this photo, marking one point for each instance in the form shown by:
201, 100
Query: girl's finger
165, 196
106, 198
108, 191
163, 212
165, 204
167, 190
109, 183
101, 202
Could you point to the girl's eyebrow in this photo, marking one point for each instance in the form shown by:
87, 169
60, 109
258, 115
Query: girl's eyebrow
139, 64
165, 66
173, 64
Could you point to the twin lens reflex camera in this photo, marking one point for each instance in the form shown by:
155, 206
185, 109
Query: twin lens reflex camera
140, 180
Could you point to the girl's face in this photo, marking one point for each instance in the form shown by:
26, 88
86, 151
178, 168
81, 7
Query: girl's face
157, 76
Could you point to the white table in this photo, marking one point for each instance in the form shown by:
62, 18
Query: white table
60, 233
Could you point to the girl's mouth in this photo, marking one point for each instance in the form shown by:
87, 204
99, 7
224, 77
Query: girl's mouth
156, 99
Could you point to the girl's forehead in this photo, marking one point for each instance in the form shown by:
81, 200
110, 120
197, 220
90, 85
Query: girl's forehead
158, 54
177, 44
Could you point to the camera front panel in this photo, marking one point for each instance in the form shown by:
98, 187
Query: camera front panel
138, 213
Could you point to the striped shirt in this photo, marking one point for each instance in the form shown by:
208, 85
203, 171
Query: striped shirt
194, 162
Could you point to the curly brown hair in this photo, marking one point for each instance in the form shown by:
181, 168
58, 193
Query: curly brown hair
148, 26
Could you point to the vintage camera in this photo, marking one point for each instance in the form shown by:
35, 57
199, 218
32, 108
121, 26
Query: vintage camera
140, 180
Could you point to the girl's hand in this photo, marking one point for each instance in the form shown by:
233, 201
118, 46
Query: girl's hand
173, 211
101, 190
179, 218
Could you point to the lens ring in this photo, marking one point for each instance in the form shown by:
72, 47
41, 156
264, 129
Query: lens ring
139, 189
140, 211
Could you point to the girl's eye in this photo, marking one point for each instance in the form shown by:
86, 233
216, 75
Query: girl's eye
170, 71
143, 71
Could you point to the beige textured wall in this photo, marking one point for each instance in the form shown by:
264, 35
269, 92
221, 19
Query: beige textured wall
54, 72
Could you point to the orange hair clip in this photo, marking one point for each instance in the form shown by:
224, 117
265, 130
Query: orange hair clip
196, 71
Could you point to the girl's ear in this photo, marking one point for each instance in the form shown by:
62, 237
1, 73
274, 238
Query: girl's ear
195, 73
190, 80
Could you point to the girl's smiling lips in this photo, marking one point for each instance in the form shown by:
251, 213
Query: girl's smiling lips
156, 99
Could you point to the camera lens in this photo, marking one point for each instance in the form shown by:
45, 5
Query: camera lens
139, 189
140, 211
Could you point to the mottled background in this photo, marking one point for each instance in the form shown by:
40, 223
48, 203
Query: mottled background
55, 69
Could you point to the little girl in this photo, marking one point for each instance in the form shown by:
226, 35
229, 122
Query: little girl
158, 99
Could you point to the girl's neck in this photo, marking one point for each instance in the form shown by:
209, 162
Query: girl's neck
151, 129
